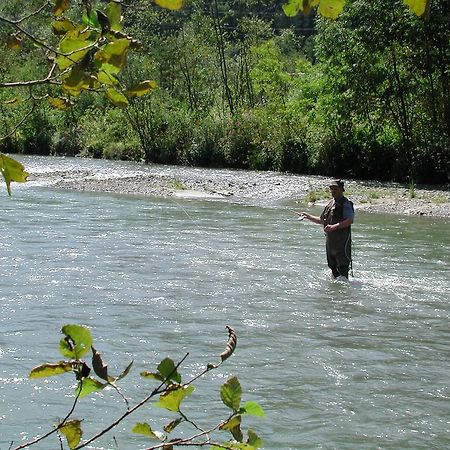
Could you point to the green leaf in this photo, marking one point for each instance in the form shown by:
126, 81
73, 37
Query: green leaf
252, 409
114, 13
419, 7
61, 6
254, 440
87, 386
49, 370
170, 4
91, 19
77, 341
146, 430
172, 398
72, 431
167, 370
142, 88
12, 170
116, 98
231, 393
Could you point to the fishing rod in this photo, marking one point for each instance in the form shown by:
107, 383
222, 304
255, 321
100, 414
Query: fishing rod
301, 216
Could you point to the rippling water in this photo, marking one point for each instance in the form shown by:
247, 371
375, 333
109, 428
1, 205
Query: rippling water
357, 366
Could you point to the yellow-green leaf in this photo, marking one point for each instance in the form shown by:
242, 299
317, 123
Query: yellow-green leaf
152, 376
419, 7
106, 78
77, 341
62, 25
172, 425
88, 385
113, 56
116, 98
12, 170
76, 81
49, 370
114, 12
72, 431
254, 440
70, 46
14, 42
142, 88
170, 4
331, 8
61, 6
61, 103
14, 101
231, 423
146, 430
172, 398
293, 7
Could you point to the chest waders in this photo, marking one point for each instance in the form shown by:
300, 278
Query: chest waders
339, 242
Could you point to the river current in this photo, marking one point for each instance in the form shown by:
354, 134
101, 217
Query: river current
358, 365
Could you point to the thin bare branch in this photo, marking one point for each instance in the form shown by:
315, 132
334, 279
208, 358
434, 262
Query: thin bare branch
48, 79
18, 125
32, 14
55, 430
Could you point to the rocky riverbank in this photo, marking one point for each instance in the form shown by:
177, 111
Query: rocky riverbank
238, 186
262, 188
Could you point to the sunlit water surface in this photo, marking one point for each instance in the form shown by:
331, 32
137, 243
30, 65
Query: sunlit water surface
362, 365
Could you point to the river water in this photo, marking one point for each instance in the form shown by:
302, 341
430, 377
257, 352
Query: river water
361, 365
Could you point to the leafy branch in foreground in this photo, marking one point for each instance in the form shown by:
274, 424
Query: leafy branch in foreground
12, 170
171, 391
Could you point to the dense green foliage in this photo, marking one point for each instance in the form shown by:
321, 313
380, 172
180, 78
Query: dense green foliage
242, 85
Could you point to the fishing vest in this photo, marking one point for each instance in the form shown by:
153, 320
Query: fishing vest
334, 211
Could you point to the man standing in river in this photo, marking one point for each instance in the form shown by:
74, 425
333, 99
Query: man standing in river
336, 219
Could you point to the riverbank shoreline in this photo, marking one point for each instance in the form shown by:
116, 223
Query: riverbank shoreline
380, 198
239, 186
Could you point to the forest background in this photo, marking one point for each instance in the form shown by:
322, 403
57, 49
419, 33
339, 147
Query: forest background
241, 85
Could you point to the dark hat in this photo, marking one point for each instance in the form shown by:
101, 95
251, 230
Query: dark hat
338, 183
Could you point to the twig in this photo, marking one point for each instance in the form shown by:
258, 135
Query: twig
55, 430
18, 125
35, 13
49, 78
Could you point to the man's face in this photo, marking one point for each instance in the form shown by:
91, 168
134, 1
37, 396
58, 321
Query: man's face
336, 191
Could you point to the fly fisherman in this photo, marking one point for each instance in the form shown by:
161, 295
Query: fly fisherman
336, 219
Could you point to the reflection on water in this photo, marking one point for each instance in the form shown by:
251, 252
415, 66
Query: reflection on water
363, 365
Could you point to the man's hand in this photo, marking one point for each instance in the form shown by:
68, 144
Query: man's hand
331, 228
